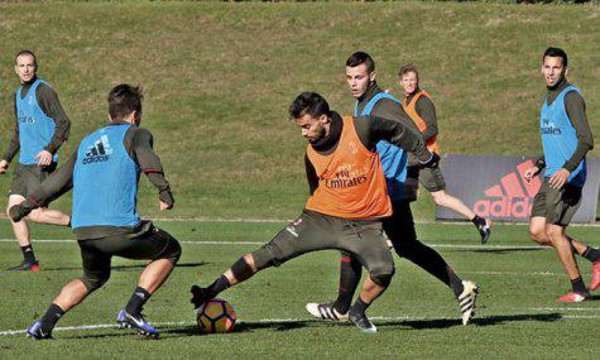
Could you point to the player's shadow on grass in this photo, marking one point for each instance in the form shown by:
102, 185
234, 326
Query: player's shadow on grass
483, 321
128, 267
246, 326
500, 251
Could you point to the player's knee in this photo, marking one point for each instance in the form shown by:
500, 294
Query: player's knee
96, 281
440, 197
172, 252
553, 233
382, 280
537, 234
36, 215
263, 258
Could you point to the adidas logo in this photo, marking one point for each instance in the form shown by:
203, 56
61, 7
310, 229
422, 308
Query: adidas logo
512, 197
99, 152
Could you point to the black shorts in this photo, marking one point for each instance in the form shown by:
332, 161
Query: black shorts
97, 253
27, 178
432, 179
312, 231
558, 206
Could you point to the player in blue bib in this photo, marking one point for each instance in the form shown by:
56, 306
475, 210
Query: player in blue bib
104, 174
400, 227
41, 127
566, 140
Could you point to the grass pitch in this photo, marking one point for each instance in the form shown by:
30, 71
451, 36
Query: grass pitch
418, 317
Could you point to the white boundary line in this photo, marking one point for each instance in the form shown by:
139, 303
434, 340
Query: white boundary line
449, 246
299, 320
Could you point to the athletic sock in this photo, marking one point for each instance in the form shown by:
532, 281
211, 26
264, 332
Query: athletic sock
478, 221
350, 273
28, 254
578, 286
591, 254
137, 301
49, 319
217, 286
455, 282
359, 307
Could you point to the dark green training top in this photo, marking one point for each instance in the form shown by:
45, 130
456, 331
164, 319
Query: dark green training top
47, 99
575, 107
370, 131
138, 143
426, 110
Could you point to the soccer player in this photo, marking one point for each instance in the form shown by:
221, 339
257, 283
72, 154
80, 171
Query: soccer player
419, 106
41, 127
566, 139
345, 210
104, 174
400, 227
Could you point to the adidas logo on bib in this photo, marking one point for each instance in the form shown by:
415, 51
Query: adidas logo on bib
99, 152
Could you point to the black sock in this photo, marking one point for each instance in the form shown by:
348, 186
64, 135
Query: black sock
49, 319
591, 254
28, 254
455, 282
478, 221
578, 286
359, 307
137, 301
350, 272
217, 286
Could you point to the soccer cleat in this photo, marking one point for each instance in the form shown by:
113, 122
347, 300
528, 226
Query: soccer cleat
363, 323
466, 300
199, 296
26, 266
485, 230
574, 297
35, 332
325, 312
595, 276
138, 323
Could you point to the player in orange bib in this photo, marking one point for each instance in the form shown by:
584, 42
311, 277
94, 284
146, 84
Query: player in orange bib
419, 106
345, 210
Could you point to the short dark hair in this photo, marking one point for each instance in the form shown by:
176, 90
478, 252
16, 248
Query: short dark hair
309, 103
359, 58
26, 52
407, 69
556, 52
123, 100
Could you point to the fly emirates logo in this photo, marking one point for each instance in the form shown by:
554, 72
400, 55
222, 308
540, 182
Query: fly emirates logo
511, 197
346, 177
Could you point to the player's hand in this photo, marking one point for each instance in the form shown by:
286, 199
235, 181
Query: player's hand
530, 173
44, 158
433, 162
3, 166
559, 178
17, 213
164, 206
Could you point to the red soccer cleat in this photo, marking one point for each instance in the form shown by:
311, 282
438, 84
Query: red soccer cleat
574, 297
595, 276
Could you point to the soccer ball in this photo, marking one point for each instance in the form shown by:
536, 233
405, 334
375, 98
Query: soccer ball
216, 316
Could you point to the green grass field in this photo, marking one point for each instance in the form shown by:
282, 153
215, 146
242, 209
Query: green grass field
517, 316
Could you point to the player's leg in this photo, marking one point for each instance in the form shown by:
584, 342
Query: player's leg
164, 251
350, 274
21, 231
310, 232
400, 229
433, 181
366, 240
49, 217
96, 271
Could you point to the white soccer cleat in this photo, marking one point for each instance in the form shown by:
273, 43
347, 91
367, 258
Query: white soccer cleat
466, 300
325, 312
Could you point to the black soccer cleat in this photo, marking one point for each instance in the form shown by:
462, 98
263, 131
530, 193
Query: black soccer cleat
26, 266
485, 230
199, 296
35, 332
362, 322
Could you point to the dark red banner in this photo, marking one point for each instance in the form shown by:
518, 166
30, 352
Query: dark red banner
494, 187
